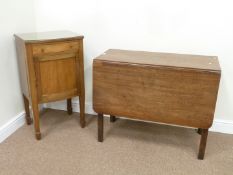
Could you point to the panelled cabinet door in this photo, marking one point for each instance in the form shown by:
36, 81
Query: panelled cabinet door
56, 70
56, 78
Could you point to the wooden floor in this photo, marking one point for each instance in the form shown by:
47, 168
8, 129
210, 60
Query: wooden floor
129, 147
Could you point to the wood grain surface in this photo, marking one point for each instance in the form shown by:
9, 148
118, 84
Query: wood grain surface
197, 62
170, 94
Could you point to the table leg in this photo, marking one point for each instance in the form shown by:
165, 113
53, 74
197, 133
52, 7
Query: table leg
199, 130
100, 127
69, 106
112, 118
204, 134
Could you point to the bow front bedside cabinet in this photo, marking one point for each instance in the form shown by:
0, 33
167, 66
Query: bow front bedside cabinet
161, 87
51, 69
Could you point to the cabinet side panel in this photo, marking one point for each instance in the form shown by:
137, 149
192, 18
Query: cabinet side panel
160, 94
22, 64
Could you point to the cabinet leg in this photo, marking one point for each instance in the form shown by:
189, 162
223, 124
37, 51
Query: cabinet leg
100, 127
82, 110
35, 109
204, 134
27, 111
69, 106
112, 118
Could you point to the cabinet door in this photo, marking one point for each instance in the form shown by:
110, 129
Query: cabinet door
57, 76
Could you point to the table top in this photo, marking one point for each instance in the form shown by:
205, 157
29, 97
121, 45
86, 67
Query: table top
208, 63
47, 36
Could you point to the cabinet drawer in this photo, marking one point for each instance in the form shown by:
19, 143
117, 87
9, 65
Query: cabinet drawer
56, 56
54, 47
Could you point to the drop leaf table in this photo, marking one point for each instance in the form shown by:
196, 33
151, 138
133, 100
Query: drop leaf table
167, 88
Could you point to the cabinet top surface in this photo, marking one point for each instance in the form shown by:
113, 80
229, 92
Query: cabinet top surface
48, 36
209, 63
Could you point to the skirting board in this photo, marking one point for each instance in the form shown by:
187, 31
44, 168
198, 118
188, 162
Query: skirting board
11, 126
15, 123
61, 105
222, 126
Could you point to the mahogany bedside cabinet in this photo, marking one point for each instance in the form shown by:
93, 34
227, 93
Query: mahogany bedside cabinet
51, 69
161, 87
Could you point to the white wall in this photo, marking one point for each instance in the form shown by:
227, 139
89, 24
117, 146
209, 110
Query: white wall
181, 26
15, 17
194, 26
